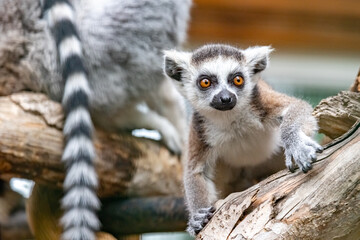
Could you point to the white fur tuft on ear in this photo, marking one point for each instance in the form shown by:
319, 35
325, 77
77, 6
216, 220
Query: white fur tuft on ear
257, 58
176, 63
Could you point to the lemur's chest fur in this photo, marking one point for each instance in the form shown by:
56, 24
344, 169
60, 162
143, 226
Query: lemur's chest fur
242, 142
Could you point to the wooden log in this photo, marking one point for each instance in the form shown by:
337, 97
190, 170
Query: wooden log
31, 144
322, 204
338, 113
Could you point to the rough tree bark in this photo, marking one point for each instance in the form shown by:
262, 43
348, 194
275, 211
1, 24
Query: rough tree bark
338, 113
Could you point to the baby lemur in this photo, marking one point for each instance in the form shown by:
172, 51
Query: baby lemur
238, 121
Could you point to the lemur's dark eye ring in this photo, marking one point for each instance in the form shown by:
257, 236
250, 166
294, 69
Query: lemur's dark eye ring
238, 81
205, 83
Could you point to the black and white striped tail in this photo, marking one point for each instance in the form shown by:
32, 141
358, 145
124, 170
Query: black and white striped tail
80, 201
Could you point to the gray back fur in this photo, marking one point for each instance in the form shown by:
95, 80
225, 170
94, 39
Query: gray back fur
123, 43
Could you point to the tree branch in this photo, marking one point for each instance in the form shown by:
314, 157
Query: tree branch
31, 144
338, 113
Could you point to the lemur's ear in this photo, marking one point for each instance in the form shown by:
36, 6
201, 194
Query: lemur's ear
257, 58
176, 63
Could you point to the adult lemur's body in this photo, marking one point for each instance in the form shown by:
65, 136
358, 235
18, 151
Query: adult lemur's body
238, 121
99, 56
123, 43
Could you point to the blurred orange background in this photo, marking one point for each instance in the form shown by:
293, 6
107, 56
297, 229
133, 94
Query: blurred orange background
310, 24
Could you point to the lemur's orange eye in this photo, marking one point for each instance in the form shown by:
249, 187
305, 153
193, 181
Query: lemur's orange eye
205, 83
238, 81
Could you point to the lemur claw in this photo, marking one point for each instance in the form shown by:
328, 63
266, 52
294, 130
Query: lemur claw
199, 220
291, 168
319, 149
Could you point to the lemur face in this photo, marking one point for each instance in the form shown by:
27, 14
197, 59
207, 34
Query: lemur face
221, 82
216, 77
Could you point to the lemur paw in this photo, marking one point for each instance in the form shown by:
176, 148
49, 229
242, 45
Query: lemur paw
302, 150
198, 220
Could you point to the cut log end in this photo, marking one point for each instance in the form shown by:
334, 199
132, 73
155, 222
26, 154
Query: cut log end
338, 113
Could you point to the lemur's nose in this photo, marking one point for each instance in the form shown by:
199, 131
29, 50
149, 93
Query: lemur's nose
225, 99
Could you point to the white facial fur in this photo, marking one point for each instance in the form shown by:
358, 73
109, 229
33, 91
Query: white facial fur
220, 67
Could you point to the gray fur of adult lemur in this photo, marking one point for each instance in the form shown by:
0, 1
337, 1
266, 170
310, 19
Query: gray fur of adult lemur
91, 84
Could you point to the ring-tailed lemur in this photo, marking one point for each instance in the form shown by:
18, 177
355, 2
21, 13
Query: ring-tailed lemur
238, 121
106, 59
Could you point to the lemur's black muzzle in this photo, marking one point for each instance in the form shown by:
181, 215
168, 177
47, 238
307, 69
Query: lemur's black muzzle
224, 101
